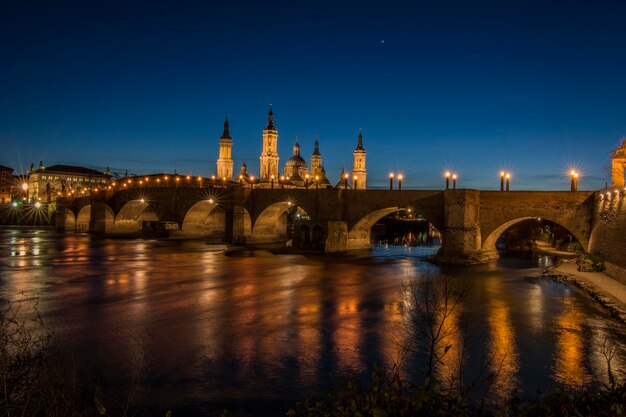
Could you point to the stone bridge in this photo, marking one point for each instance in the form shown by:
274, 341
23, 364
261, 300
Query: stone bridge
336, 220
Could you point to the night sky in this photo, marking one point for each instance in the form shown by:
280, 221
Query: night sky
534, 87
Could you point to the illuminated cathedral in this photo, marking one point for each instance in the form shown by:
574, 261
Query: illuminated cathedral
296, 173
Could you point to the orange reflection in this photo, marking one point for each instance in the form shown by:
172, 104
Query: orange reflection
502, 348
449, 349
570, 348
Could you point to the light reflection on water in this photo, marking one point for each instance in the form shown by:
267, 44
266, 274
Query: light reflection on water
269, 329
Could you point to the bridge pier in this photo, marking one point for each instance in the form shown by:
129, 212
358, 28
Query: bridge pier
99, 223
337, 237
461, 233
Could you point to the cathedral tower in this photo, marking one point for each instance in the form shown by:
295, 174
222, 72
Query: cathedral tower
358, 171
269, 156
225, 161
316, 159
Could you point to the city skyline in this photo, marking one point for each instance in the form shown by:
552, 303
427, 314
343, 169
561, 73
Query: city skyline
533, 89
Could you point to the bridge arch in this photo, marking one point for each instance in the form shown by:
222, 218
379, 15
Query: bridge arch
489, 241
360, 235
68, 218
83, 218
271, 224
131, 216
205, 218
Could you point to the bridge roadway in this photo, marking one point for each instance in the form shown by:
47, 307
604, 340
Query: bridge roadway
470, 221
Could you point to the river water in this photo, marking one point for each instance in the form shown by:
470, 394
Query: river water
255, 332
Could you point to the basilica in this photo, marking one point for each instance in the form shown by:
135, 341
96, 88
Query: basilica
296, 173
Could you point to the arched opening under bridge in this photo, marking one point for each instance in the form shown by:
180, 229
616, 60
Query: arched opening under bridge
395, 225
527, 233
279, 222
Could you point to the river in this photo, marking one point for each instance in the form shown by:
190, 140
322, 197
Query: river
255, 332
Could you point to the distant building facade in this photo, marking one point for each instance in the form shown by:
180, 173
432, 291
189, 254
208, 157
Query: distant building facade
7, 182
45, 184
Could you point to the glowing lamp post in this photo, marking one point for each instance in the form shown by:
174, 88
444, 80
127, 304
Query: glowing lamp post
502, 180
306, 181
454, 177
272, 181
282, 182
317, 182
251, 181
25, 189
345, 181
574, 176
508, 181
355, 181
390, 181
447, 180
400, 182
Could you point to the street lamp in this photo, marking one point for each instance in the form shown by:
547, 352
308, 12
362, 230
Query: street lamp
447, 180
317, 182
390, 181
251, 181
454, 177
272, 181
25, 189
508, 180
306, 182
354, 181
400, 182
502, 173
574, 176
345, 181
282, 182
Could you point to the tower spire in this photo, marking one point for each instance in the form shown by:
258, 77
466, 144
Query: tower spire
359, 145
270, 119
296, 148
316, 149
226, 133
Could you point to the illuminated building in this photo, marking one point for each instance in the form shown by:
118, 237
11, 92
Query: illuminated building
269, 156
45, 184
6, 184
225, 161
359, 173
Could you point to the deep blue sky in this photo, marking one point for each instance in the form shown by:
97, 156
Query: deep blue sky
530, 86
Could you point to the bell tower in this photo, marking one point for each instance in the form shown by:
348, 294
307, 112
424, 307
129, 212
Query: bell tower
269, 156
359, 173
316, 159
225, 161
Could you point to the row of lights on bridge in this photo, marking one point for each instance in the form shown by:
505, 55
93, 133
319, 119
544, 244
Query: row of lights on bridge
505, 180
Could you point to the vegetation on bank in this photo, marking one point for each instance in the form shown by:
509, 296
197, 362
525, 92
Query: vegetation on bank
388, 395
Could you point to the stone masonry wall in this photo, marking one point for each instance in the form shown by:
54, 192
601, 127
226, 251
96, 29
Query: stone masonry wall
608, 236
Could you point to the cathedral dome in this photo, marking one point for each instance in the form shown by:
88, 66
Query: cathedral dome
296, 162
296, 168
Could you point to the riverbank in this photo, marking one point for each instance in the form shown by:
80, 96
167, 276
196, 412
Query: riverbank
604, 289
